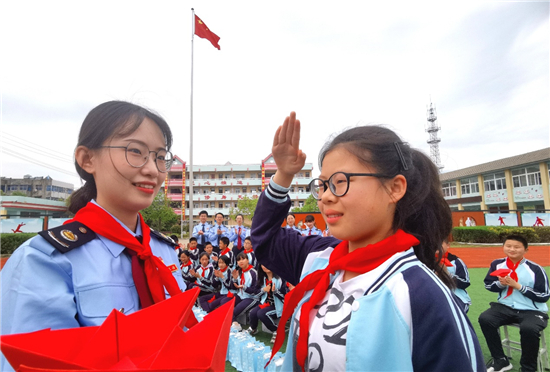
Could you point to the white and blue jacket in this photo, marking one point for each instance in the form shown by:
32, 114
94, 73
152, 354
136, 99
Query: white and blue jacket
279, 290
407, 320
534, 292
226, 284
250, 286
459, 273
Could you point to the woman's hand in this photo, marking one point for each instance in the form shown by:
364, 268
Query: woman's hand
286, 151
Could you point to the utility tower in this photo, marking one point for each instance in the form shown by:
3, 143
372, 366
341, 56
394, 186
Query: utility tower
432, 129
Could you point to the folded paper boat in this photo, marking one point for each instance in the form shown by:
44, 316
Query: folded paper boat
501, 272
152, 339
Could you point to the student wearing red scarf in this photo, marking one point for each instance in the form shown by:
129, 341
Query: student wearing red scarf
366, 299
523, 291
106, 257
459, 272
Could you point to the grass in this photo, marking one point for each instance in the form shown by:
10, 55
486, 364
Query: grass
480, 302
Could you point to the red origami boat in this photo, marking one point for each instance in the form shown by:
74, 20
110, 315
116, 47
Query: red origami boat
152, 339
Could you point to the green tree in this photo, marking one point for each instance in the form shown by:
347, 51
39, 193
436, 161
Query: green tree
159, 215
245, 206
309, 206
18, 193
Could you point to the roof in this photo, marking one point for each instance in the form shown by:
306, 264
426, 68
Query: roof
499, 165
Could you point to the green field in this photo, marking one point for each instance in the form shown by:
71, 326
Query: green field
480, 302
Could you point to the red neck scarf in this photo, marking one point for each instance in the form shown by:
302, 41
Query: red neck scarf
513, 274
192, 249
239, 241
203, 270
158, 275
445, 260
250, 251
359, 261
189, 263
224, 270
225, 251
244, 271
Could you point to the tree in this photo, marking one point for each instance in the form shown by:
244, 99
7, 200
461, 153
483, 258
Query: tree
309, 206
18, 193
245, 206
159, 215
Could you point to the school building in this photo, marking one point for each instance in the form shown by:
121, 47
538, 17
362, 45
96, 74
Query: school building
37, 187
516, 184
218, 188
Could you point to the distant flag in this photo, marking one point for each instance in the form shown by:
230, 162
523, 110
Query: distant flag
201, 30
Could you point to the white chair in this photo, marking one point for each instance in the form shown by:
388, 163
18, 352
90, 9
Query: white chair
509, 345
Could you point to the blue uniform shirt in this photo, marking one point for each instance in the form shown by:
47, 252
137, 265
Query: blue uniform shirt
44, 288
198, 228
213, 236
234, 235
312, 231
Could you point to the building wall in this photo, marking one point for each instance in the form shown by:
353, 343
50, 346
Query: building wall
218, 188
37, 187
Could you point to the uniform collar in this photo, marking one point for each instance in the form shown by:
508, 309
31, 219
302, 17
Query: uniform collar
115, 248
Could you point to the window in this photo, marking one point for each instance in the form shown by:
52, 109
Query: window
220, 205
244, 190
213, 176
300, 204
469, 186
529, 176
220, 191
220, 176
307, 174
494, 182
237, 190
240, 175
228, 205
300, 189
449, 188
13, 187
227, 176
196, 205
212, 190
235, 206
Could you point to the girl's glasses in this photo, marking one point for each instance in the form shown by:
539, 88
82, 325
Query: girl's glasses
338, 183
137, 155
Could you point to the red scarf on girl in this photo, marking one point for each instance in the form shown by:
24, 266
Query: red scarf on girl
445, 260
189, 263
242, 274
203, 270
158, 275
513, 274
361, 260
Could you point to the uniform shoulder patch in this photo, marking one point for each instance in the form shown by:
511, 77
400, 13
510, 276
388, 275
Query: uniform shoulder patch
163, 238
68, 237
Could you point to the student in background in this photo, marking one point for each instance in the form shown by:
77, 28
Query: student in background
238, 234
459, 272
310, 227
212, 256
201, 231
218, 231
193, 249
523, 291
226, 251
204, 275
245, 281
272, 297
224, 281
249, 251
186, 266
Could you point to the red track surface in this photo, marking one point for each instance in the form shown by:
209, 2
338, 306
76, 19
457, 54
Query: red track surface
483, 256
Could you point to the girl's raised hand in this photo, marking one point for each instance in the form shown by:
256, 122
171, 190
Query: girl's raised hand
286, 151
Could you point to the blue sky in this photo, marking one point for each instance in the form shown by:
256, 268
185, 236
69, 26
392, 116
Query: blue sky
485, 66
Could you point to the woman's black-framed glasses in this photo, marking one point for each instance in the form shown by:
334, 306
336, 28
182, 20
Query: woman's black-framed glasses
338, 183
137, 155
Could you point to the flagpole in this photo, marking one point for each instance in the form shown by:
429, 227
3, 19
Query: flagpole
191, 178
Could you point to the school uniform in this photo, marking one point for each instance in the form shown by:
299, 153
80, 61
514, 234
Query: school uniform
237, 235
461, 277
271, 304
313, 231
185, 272
53, 286
526, 306
229, 254
396, 317
252, 258
227, 290
247, 297
214, 238
201, 239
205, 281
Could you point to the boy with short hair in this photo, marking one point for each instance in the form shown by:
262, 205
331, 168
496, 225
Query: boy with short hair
209, 248
250, 252
523, 291
226, 251
200, 232
193, 249
311, 229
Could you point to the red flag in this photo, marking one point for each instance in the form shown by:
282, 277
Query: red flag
202, 31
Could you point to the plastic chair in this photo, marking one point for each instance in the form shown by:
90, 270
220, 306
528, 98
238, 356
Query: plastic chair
509, 345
